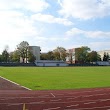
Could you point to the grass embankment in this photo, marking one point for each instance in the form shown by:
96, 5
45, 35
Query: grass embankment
48, 78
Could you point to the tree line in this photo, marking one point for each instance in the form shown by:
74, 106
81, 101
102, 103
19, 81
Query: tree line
21, 52
81, 55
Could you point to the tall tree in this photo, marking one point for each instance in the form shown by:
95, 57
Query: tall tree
1, 58
81, 54
23, 50
31, 57
60, 53
106, 56
44, 56
93, 56
14, 56
5, 56
50, 55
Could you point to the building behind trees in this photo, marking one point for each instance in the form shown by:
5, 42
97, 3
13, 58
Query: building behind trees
35, 51
81, 55
104, 52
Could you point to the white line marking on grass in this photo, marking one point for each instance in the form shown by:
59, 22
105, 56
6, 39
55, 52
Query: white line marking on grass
52, 94
14, 83
26, 88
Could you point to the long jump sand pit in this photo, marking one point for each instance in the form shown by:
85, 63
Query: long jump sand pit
15, 97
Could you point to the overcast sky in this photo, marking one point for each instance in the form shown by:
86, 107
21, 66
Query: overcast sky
52, 23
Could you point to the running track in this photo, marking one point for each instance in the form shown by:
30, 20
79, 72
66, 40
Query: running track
83, 99
86, 99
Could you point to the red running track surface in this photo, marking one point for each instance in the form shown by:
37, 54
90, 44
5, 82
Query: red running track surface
15, 97
84, 99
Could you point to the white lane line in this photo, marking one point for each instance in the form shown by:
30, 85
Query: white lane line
89, 102
56, 100
94, 95
104, 107
100, 94
72, 93
72, 105
93, 90
52, 108
52, 94
104, 100
87, 95
98, 90
8, 98
70, 98
14, 83
44, 96
36, 102
11, 104
89, 91
3, 99
73, 98
59, 94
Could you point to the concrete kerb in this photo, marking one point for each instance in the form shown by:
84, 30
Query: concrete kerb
15, 83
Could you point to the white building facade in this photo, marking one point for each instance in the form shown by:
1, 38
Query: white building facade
70, 56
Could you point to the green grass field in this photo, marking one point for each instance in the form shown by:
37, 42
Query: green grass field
48, 78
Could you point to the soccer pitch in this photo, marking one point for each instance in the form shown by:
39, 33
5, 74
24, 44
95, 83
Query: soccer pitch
58, 78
